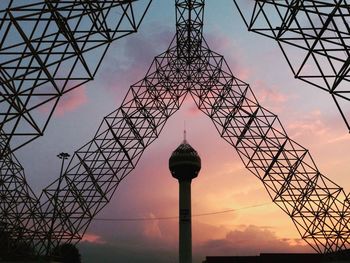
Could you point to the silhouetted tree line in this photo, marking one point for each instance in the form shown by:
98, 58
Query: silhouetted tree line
67, 253
13, 250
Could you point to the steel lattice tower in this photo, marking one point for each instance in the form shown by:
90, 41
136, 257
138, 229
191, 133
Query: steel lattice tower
49, 48
314, 37
319, 208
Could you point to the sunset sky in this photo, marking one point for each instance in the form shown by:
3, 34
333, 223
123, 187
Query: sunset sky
307, 114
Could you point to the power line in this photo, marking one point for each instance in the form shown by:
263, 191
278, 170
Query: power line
177, 217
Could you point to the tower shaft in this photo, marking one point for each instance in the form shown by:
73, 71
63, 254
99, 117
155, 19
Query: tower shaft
185, 222
185, 165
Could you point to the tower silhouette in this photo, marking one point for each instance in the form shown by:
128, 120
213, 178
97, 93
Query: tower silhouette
185, 165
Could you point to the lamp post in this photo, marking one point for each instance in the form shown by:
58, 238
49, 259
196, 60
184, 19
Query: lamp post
63, 156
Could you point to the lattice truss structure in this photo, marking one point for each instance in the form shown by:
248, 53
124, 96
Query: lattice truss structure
319, 208
314, 37
48, 48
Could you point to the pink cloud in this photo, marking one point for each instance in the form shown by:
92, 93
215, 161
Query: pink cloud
192, 110
71, 101
151, 229
93, 238
68, 102
341, 138
232, 51
309, 124
270, 95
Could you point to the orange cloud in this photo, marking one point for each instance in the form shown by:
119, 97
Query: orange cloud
93, 238
251, 240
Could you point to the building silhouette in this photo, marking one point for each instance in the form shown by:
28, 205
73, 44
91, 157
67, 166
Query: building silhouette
336, 257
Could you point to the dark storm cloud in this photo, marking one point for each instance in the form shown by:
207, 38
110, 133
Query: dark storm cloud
130, 60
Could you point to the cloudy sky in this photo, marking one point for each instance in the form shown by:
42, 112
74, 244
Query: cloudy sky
307, 114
